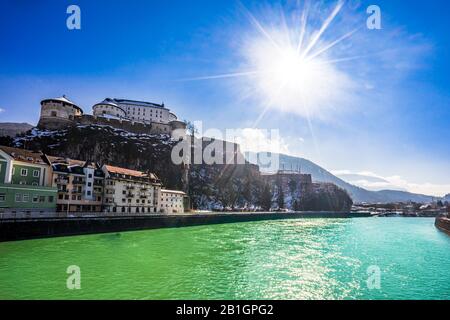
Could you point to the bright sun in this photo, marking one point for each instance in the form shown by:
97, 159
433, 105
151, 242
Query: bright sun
291, 69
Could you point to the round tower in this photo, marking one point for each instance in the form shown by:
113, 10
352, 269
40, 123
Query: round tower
58, 113
109, 108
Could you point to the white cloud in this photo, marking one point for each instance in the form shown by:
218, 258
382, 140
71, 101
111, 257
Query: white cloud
260, 140
394, 183
2, 110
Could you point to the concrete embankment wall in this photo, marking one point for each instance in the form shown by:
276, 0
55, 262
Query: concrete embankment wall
22, 229
443, 224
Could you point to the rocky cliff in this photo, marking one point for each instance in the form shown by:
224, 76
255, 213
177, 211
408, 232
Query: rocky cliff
214, 186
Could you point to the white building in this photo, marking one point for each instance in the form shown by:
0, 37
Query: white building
138, 111
131, 191
172, 201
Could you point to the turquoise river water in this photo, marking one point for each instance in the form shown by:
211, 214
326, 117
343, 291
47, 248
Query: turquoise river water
288, 259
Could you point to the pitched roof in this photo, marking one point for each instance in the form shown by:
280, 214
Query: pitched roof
69, 162
139, 103
128, 172
173, 191
65, 100
24, 155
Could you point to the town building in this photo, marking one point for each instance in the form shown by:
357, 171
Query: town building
172, 201
80, 185
25, 182
130, 191
32, 182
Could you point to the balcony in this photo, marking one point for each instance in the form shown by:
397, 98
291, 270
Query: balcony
62, 181
78, 182
129, 195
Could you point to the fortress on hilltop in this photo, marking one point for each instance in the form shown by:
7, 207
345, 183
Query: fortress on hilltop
130, 115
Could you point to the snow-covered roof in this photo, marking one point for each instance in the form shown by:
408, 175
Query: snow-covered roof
63, 99
173, 191
109, 102
139, 103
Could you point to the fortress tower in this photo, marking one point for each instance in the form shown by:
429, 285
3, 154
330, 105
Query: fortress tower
130, 115
58, 113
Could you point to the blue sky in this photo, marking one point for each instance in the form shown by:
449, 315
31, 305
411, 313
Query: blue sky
389, 119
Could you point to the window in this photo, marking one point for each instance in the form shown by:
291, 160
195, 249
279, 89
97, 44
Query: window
26, 198
50, 199
88, 193
18, 197
24, 172
36, 198
36, 173
41, 199
90, 175
35, 184
2, 197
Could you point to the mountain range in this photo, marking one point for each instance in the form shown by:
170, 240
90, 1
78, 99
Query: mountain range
320, 174
12, 129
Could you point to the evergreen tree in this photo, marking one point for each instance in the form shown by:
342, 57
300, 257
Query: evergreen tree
266, 198
280, 199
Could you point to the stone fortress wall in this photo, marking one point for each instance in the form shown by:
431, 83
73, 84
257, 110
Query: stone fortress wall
59, 113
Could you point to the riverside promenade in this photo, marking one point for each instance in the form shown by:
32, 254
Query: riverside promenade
33, 228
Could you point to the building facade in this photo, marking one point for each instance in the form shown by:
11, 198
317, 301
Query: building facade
130, 191
32, 182
172, 201
157, 115
80, 185
25, 182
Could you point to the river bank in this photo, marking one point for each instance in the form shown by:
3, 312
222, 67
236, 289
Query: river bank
24, 229
443, 224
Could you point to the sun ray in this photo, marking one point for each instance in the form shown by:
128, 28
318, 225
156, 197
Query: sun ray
258, 26
324, 27
223, 76
303, 24
331, 45
268, 105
